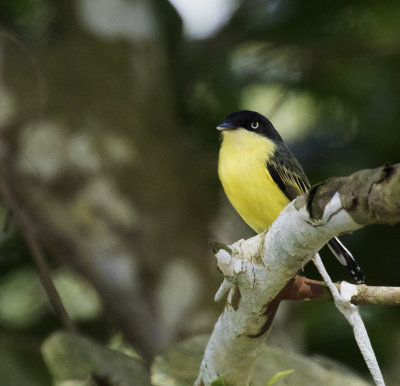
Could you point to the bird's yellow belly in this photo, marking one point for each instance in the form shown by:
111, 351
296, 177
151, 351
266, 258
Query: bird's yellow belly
248, 185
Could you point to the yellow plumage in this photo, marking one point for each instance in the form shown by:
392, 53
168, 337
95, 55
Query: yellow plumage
246, 181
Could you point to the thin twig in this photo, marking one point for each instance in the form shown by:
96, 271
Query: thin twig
40, 261
342, 299
279, 101
45, 276
7, 221
303, 288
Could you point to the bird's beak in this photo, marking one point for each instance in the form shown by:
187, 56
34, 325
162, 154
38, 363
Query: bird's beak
226, 126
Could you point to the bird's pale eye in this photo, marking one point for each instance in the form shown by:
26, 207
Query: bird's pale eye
254, 125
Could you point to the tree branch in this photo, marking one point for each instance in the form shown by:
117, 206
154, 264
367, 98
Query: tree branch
258, 269
302, 288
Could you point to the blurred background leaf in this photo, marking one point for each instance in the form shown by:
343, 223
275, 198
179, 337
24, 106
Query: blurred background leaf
73, 358
178, 366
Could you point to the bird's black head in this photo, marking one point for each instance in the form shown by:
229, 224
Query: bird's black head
252, 121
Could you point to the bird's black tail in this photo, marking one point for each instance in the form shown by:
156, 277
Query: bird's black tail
346, 258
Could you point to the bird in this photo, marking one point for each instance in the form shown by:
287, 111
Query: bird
260, 176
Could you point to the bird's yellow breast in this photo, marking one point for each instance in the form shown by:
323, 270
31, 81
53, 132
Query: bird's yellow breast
246, 180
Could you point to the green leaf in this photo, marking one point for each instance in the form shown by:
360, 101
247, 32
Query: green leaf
218, 382
278, 376
217, 246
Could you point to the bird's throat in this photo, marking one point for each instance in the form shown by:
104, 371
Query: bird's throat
245, 178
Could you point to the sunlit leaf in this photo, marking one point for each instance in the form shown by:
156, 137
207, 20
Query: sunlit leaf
279, 376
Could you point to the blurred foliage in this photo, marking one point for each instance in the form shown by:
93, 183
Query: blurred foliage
326, 73
73, 358
178, 366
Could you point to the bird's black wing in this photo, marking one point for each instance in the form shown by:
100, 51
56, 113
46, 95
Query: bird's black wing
287, 172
